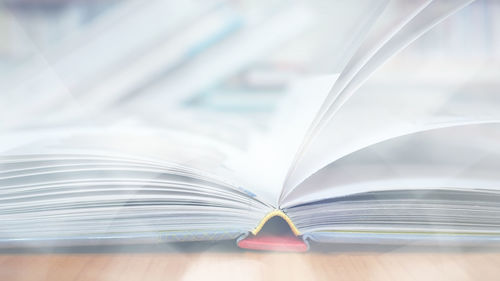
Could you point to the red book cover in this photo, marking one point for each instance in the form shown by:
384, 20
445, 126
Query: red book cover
273, 243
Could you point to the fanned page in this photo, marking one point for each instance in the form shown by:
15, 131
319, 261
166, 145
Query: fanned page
378, 113
459, 157
388, 36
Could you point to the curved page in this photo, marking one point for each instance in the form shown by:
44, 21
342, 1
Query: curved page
371, 56
463, 157
381, 111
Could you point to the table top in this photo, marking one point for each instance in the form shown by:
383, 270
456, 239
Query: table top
216, 262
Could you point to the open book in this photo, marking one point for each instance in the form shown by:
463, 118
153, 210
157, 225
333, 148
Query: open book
341, 162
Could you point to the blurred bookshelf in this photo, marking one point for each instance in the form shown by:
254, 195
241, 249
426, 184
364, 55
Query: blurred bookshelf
222, 57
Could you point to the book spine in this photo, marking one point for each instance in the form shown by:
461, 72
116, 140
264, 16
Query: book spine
276, 213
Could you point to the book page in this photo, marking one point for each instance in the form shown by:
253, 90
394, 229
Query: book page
411, 107
464, 157
408, 28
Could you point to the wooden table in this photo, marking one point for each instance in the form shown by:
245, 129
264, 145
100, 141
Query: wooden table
222, 261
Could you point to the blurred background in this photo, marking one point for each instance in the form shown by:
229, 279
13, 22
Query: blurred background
222, 60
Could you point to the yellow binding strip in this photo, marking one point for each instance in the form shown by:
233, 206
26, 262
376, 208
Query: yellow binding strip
276, 213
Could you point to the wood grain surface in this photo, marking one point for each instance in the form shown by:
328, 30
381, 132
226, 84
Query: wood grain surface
215, 263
